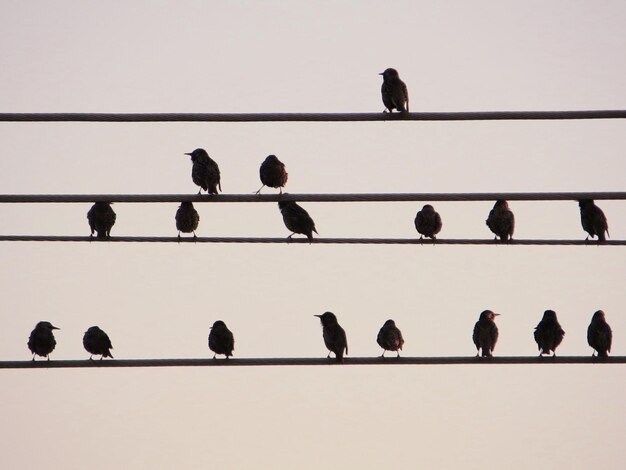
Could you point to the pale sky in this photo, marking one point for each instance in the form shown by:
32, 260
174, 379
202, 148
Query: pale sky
158, 300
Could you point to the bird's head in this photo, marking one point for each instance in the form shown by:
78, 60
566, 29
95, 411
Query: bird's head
585, 203
197, 153
390, 74
46, 325
549, 315
389, 323
501, 204
488, 315
598, 316
219, 324
271, 158
428, 208
327, 318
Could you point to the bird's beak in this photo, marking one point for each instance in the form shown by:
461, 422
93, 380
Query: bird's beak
55, 328
381, 73
318, 316
188, 154
496, 314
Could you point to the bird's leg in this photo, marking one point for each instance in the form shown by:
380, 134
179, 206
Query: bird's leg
194, 236
383, 354
33, 357
398, 354
328, 357
200, 192
289, 237
259, 190
281, 190
214, 355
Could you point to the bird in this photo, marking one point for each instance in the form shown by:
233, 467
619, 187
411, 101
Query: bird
187, 218
501, 220
548, 333
97, 342
41, 341
428, 222
593, 220
334, 335
599, 334
221, 339
297, 219
485, 334
205, 172
273, 174
394, 91
101, 219
390, 338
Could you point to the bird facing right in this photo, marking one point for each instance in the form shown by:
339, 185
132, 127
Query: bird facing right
334, 335
599, 334
101, 219
273, 174
593, 220
485, 334
394, 92
187, 218
221, 339
501, 220
428, 222
41, 341
390, 338
205, 172
97, 342
548, 333
297, 219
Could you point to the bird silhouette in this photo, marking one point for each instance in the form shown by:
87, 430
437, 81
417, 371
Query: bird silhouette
97, 342
101, 219
394, 92
334, 335
297, 219
501, 220
599, 334
390, 338
593, 220
187, 218
205, 172
548, 333
485, 334
273, 174
428, 222
41, 341
221, 339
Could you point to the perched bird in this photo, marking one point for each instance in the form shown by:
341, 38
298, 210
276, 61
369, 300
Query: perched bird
221, 340
599, 334
101, 219
428, 222
394, 91
548, 333
501, 220
273, 173
334, 336
390, 338
593, 220
187, 218
485, 334
205, 172
41, 341
297, 219
97, 342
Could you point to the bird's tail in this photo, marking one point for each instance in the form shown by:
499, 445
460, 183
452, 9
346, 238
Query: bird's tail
108, 354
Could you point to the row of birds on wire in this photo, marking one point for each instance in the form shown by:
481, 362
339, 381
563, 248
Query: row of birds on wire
548, 334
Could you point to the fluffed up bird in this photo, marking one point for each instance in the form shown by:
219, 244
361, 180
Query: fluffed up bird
101, 219
593, 220
221, 339
187, 218
334, 335
273, 174
599, 334
205, 172
428, 222
41, 341
97, 342
394, 91
297, 219
548, 333
485, 334
390, 338
501, 220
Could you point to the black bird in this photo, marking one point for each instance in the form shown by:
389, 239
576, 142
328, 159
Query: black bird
593, 220
41, 341
485, 334
548, 333
501, 220
334, 335
101, 219
428, 222
599, 334
97, 342
394, 91
297, 219
187, 218
390, 338
273, 174
205, 172
221, 339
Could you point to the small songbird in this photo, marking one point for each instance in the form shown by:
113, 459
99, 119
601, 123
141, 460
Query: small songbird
394, 91
548, 333
187, 218
501, 220
221, 339
297, 219
41, 341
390, 338
97, 342
485, 334
273, 174
593, 220
101, 219
599, 334
428, 222
205, 172
334, 335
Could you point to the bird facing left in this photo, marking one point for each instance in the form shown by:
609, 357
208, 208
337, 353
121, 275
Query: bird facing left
41, 341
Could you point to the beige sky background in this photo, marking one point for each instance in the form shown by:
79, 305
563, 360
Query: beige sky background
158, 300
